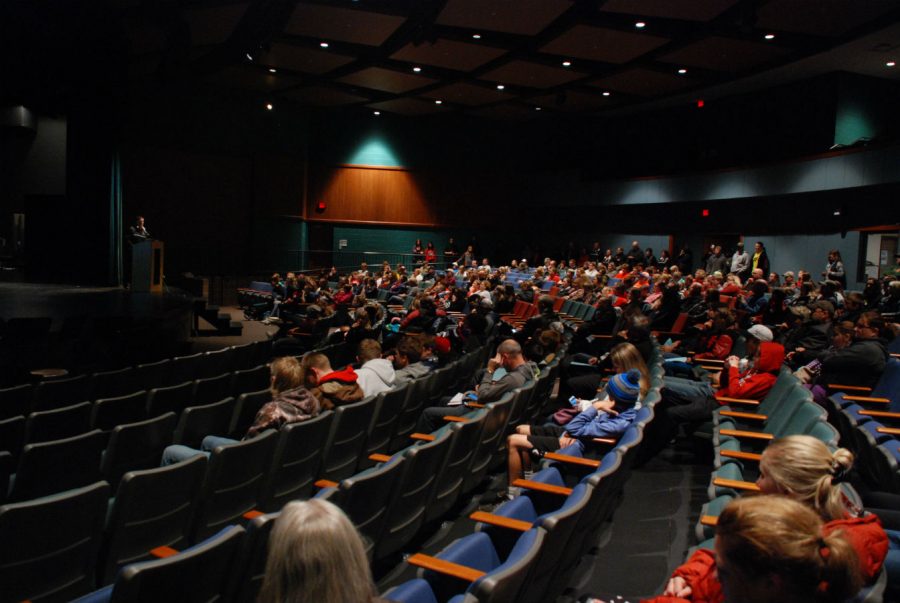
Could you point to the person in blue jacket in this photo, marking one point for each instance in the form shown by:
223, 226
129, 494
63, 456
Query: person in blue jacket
609, 415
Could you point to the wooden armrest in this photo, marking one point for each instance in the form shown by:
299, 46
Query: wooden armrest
379, 458
448, 568
736, 484
895, 355
425, 437
743, 415
852, 388
474, 405
888, 430
753, 435
539, 487
453, 419
868, 399
161, 552
746, 401
572, 460
604, 440
880, 413
708, 360
739, 454
252, 514
325, 483
500, 521
709, 520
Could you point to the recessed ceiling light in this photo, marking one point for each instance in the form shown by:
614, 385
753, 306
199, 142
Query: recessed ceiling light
769, 36
890, 64
606, 94
537, 108
476, 36
272, 70
270, 106
249, 56
640, 25
567, 63
682, 71
417, 69
438, 102
376, 112
323, 44
500, 86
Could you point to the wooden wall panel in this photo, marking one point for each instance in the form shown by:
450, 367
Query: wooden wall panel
371, 195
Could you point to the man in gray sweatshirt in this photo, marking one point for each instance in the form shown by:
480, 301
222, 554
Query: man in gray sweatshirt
376, 374
506, 371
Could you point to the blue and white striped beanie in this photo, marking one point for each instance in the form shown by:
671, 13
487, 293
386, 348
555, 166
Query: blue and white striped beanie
625, 388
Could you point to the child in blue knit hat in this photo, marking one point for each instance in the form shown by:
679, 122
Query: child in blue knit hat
609, 415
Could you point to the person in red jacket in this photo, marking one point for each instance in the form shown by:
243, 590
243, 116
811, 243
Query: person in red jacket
804, 469
771, 548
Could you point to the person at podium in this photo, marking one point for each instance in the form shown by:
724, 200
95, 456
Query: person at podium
139, 232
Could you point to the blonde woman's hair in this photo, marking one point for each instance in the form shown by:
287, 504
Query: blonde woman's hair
806, 470
286, 374
626, 356
777, 535
315, 554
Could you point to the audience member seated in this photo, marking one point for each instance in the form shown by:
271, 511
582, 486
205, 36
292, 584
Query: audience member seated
375, 374
607, 415
769, 548
291, 403
316, 554
407, 360
332, 388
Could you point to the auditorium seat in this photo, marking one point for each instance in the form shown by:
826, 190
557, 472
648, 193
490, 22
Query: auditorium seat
153, 374
55, 558
56, 393
245, 409
175, 398
413, 492
216, 363
297, 461
199, 574
347, 439
211, 389
58, 424
16, 401
112, 384
152, 508
137, 445
51, 467
485, 452
464, 442
252, 559
109, 412
234, 483
185, 368
12, 436
244, 356
384, 417
250, 380
197, 422
415, 401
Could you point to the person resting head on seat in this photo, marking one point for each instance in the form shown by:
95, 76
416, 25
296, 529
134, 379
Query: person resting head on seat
315, 554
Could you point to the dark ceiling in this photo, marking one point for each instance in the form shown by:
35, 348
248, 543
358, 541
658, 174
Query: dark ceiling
414, 57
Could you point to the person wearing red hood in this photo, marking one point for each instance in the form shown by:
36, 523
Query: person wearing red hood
688, 401
331, 387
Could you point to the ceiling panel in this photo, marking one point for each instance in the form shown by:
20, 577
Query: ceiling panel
386, 80
468, 94
725, 54
571, 100
449, 54
643, 82
687, 10
252, 77
342, 24
323, 96
307, 60
533, 75
214, 25
525, 17
408, 106
513, 111
601, 44
821, 17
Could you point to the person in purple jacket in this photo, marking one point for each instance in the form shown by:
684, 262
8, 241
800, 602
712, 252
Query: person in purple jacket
609, 415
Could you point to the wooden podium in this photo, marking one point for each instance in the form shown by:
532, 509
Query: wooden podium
147, 266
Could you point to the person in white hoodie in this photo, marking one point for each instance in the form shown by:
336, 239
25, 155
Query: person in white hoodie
376, 374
